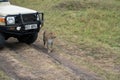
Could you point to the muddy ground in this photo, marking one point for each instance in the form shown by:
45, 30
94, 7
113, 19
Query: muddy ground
32, 62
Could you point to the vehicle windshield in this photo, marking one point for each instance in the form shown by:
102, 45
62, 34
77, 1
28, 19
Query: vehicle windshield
3, 0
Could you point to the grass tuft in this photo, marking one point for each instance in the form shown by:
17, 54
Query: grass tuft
86, 4
3, 76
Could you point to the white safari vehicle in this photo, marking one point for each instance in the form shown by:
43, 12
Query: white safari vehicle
19, 22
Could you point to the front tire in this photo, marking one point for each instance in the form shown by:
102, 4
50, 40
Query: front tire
28, 39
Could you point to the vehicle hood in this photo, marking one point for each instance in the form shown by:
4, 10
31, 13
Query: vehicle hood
13, 9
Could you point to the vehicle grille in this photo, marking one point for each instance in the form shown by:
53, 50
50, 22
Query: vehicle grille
25, 18
29, 18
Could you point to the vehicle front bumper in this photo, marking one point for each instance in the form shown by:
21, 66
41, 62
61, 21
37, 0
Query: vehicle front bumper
12, 30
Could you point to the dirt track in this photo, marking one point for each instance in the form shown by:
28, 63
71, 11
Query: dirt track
23, 62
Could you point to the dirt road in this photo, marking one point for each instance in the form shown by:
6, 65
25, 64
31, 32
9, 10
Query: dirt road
23, 62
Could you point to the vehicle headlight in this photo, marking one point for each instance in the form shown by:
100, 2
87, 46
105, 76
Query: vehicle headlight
10, 20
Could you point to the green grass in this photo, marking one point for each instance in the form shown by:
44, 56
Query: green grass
3, 76
92, 25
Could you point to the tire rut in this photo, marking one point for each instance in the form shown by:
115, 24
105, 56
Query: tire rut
86, 75
13, 67
80, 73
36, 72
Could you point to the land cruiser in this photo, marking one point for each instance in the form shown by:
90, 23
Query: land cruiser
19, 22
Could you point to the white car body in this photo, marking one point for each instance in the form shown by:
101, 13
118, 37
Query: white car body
7, 9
